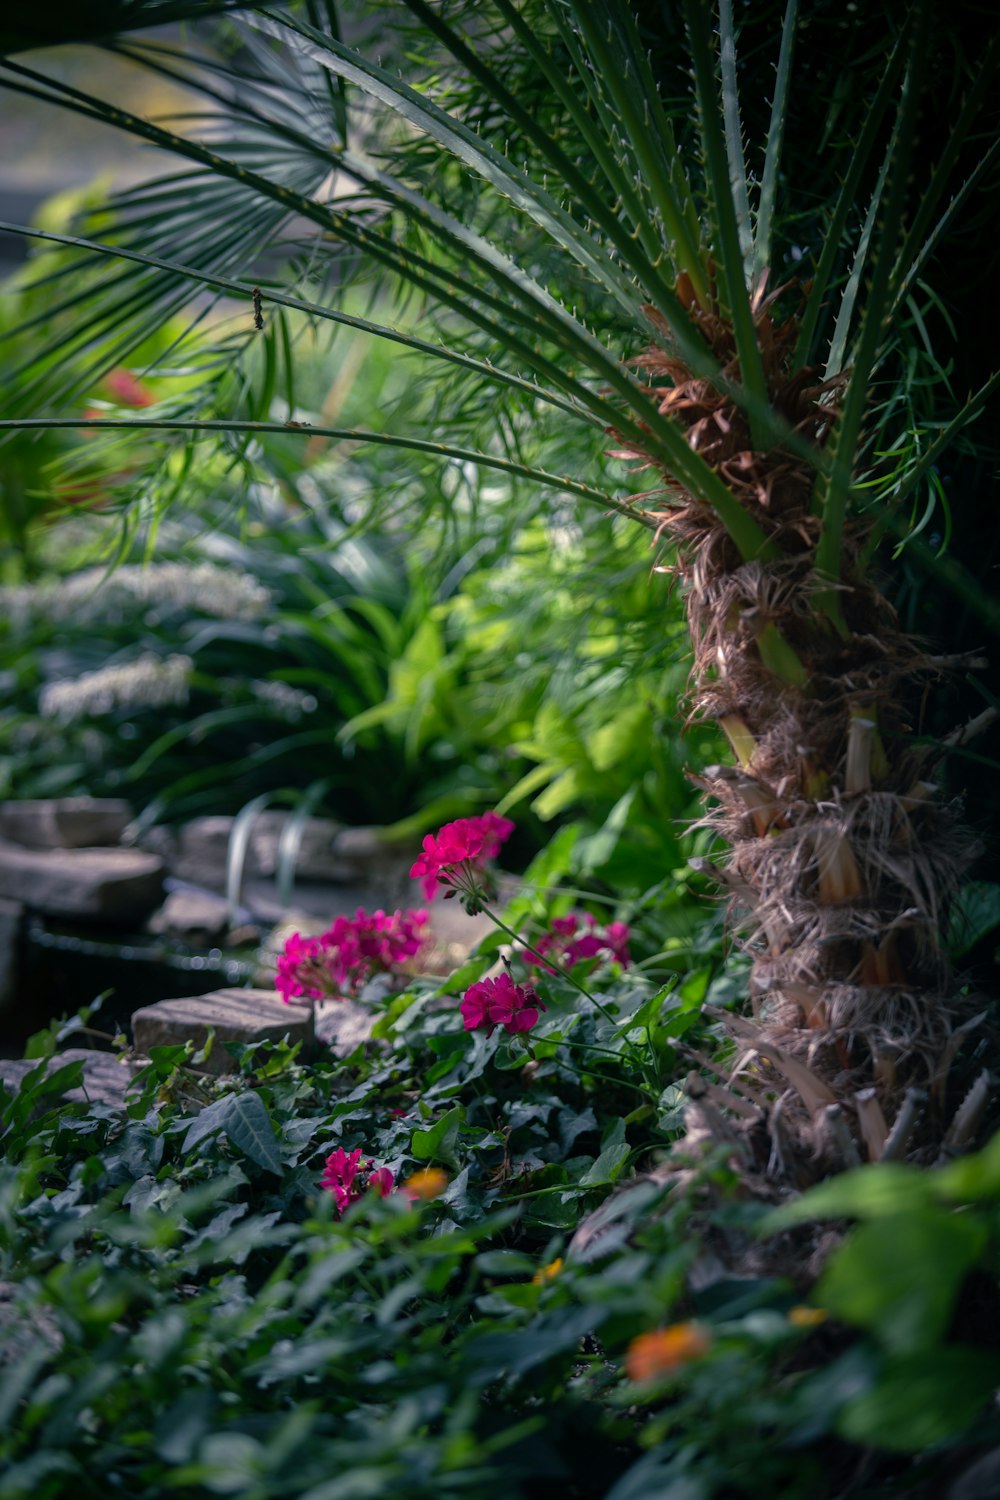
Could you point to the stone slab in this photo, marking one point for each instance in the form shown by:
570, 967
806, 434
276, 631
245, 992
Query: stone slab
235, 1015
65, 822
108, 885
343, 1025
105, 1078
327, 850
192, 914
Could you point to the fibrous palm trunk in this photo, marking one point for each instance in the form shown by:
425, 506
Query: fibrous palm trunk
843, 858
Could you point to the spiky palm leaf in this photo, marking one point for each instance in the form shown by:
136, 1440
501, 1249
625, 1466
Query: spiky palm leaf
587, 255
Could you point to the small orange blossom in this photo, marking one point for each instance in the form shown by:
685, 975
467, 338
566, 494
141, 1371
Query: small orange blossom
546, 1273
425, 1185
665, 1350
807, 1317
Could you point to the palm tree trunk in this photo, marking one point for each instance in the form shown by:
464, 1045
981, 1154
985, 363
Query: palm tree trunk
843, 857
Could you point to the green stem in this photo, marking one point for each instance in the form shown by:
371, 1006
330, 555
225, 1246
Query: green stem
565, 974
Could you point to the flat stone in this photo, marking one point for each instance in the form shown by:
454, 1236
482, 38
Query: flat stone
65, 822
242, 1016
344, 1025
105, 1078
192, 914
111, 885
327, 851
11, 917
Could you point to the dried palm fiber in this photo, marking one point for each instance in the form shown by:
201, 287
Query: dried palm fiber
843, 860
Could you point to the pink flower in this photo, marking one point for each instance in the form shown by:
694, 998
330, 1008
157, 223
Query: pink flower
124, 388
304, 969
339, 1174
500, 1002
568, 943
382, 1180
341, 961
340, 1177
455, 855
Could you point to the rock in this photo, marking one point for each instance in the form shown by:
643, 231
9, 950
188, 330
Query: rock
193, 915
235, 1016
327, 851
105, 1078
65, 822
11, 917
109, 885
343, 1025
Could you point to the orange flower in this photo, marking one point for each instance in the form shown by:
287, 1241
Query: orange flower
425, 1185
665, 1350
807, 1317
546, 1273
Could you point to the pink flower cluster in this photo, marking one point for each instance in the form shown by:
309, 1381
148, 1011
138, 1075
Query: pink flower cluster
576, 937
500, 1002
341, 1177
455, 855
340, 962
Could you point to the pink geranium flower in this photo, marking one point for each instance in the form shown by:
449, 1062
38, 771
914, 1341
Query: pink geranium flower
340, 962
304, 969
576, 937
500, 1002
342, 1177
338, 1177
455, 856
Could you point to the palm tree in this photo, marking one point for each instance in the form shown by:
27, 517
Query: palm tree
599, 248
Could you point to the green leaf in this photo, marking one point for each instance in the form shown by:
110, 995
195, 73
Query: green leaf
975, 914
506, 1263
922, 1400
440, 1141
872, 1192
898, 1276
248, 1125
608, 1167
971, 1179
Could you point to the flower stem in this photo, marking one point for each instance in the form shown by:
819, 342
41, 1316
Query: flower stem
565, 974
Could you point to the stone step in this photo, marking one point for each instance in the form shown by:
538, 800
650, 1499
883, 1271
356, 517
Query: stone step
235, 1015
65, 822
105, 1077
106, 885
326, 850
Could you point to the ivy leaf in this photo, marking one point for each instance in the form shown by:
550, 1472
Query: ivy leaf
608, 1167
974, 916
438, 1143
248, 1126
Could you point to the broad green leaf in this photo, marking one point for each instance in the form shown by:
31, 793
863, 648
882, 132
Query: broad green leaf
971, 1179
975, 915
608, 1167
440, 1141
871, 1192
248, 1125
898, 1276
921, 1400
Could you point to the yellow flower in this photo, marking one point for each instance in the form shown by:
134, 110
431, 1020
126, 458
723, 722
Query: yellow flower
807, 1317
425, 1185
665, 1350
546, 1273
